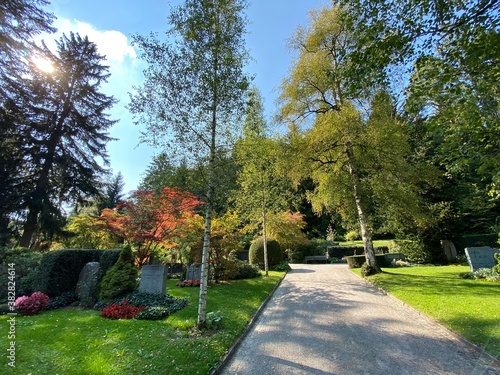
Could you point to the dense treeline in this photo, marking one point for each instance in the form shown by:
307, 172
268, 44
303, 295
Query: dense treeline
393, 122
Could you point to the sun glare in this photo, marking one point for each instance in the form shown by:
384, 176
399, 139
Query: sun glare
43, 64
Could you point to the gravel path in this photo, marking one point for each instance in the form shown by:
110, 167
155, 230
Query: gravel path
323, 319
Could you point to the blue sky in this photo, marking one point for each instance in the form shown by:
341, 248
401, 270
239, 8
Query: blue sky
111, 23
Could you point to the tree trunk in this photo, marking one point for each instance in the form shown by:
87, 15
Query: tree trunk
366, 233
264, 238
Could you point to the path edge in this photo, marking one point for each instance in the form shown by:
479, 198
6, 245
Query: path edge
223, 362
492, 360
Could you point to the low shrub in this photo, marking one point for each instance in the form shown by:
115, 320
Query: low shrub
156, 306
121, 311
356, 261
282, 267
344, 251
367, 270
33, 304
483, 273
414, 251
63, 300
189, 283
245, 270
213, 320
299, 252
256, 252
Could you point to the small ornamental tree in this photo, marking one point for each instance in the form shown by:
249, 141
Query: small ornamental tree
121, 278
151, 220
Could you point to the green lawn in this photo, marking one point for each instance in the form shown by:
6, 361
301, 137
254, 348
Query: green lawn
469, 307
70, 341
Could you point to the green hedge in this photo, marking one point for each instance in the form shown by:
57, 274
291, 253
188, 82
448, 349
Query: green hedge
476, 240
356, 261
343, 251
59, 270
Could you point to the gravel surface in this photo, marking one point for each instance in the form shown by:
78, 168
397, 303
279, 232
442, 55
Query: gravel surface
323, 319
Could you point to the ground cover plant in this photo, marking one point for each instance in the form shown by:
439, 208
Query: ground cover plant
466, 306
74, 341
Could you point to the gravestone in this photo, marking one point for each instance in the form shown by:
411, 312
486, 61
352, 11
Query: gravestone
481, 257
153, 279
193, 272
87, 286
449, 249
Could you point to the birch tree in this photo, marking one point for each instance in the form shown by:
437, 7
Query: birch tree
356, 159
193, 93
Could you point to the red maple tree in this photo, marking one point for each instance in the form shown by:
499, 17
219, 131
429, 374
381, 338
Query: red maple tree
149, 220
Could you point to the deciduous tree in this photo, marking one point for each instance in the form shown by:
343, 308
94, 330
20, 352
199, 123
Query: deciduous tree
194, 91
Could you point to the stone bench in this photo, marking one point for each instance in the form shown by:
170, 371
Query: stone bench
316, 258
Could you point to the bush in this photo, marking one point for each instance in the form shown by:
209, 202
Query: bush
282, 267
121, 278
26, 262
496, 268
33, 304
121, 311
414, 251
256, 252
63, 300
344, 251
156, 306
245, 270
356, 261
475, 240
188, 283
59, 270
352, 235
297, 254
367, 270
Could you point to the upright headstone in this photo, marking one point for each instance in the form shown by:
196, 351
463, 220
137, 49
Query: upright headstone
481, 257
153, 279
87, 286
193, 272
449, 249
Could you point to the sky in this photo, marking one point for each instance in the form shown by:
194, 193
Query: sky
111, 23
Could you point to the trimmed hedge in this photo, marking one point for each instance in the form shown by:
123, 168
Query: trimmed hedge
343, 251
59, 270
356, 261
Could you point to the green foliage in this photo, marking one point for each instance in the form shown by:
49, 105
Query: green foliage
214, 320
156, 306
63, 300
414, 251
121, 278
367, 270
475, 240
342, 251
298, 253
489, 274
256, 252
238, 269
352, 235
496, 268
26, 261
282, 266
59, 270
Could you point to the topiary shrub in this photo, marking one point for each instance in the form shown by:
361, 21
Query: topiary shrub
496, 268
256, 252
121, 278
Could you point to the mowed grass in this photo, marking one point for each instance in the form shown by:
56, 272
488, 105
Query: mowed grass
468, 307
74, 341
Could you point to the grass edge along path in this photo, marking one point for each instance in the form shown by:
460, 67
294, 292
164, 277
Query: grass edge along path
467, 307
74, 341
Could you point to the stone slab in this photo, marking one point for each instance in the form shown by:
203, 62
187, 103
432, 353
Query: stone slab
153, 279
481, 257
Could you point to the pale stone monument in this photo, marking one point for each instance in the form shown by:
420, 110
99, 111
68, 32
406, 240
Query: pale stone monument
153, 279
481, 257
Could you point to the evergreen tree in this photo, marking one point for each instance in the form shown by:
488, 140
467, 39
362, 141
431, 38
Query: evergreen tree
64, 130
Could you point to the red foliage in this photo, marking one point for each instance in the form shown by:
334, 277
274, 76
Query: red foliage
33, 304
184, 283
123, 311
150, 219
